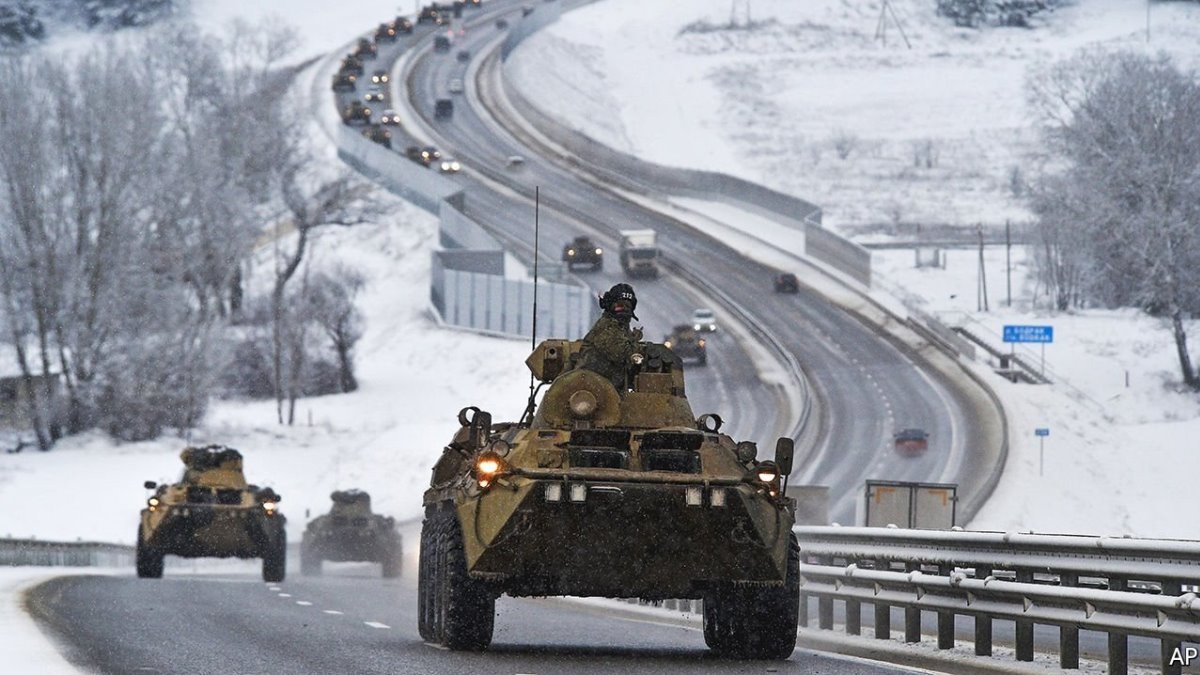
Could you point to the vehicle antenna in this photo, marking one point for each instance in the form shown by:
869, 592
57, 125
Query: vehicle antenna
527, 417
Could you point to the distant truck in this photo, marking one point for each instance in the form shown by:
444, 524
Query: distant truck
639, 253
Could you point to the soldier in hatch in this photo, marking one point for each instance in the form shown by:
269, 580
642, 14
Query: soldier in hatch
610, 343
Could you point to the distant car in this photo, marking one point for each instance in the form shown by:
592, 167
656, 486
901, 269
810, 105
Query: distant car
501, 24
441, 43
389, 117
686, 342
344, 81
455, 86
403, 25
443, 108
704, 320
787, 283
356, 112
514, 162
448, 165
386, 31
378, 134
911, 441
464, 55
583, 251
379, 77
425, 156
374, 93
526, 10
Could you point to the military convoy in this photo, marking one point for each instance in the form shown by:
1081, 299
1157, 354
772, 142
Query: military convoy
211, 512
612, 492
351, 532
354, 112
685, 341
583, 251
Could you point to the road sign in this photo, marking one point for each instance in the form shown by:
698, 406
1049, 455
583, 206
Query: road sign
1041, 431
1029, 334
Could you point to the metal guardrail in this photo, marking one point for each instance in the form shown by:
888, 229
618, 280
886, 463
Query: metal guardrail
35, 552
1119, 586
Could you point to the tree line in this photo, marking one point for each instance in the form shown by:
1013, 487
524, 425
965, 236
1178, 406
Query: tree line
1118, 205
136, 185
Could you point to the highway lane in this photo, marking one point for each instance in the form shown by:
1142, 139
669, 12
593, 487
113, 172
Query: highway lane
351, 621
868, 387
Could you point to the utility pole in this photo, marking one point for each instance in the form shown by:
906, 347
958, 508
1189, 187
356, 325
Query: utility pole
981, 299
1008, 259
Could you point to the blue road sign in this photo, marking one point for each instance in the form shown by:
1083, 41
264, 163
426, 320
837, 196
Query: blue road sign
1029, 334
1042, 431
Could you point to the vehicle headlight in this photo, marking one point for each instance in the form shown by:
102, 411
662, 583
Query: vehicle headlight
695, 326
270, 507
767, 473
488, 467
667, 344
599, 251
570, 251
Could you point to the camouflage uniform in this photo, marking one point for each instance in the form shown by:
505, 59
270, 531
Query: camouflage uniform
607, 348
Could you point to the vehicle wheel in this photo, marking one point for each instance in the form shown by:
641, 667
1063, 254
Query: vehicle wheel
425, 592
756, 623
310, 560
464, 609
391, 561
274, 565
148, 561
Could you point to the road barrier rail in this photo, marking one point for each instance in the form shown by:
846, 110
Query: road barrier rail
35, 552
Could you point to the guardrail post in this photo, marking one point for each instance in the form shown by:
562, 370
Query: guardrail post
945, 620
1068, 636
825, 603
853, 617
912, 615
1118, 643
1171, 589
983, 624
883, 612
1024, 635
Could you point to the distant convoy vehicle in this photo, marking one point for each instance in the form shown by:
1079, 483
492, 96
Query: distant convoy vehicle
374, 93
443, 108
514, 162
389, 117
352, 64
686, 342
610, 492
639, 252
211, 512
431, 14
463, 55
583, 251
425, 156
366, 49
912, 441
386, 32
343, 81
441, 43
379, 134
704, 320
379, 77
403, 25
787, 283
449, 165
351, 532
354, 112
501, 24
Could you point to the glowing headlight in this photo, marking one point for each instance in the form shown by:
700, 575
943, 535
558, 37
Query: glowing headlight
487, 467
270, 507
599, 251
570, 251
767, 475
153, 501
667, 344
695, 326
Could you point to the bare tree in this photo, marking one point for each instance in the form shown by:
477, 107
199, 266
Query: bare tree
1124, 127
332, 298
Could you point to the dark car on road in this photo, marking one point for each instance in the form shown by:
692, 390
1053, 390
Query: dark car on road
911, 441
443, 108
344, 81
386, 32
425, 156
686, 342
787, 283
583, 251
403, 24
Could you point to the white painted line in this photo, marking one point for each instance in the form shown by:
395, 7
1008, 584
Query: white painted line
332, 611
441, 647
285, 595
273, 588
376, 624
303, 602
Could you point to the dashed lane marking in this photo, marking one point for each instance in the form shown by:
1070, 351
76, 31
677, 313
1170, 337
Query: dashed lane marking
305, 603
274, 588
332, 611
376, 624
285, 595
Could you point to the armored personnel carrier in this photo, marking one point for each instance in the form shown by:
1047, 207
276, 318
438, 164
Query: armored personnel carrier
686, 343
351, 532
614, 492
211, 512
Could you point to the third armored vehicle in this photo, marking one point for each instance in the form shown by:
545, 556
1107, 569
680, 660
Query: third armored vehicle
356, 112
212, 512
350, 531
610, 491
687, 344
583, 251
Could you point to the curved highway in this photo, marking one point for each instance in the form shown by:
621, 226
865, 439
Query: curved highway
867, 386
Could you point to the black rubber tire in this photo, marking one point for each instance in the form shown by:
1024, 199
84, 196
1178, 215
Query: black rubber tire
464, 609
426, 590
274, 562
756, 623
310, 560
148, 560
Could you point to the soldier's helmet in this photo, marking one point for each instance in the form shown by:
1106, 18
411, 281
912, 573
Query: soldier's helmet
620, 301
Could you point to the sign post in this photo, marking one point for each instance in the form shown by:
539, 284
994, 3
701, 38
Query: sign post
1041, 433
1039, 334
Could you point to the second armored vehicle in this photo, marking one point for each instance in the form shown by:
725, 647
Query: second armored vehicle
583, 251
610, 491
687, 344
212, 512
349, 532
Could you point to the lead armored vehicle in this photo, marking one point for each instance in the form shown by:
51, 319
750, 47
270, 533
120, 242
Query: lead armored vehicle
351, 532
607, 491
211, 512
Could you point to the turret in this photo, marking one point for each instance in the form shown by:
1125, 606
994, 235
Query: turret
213, 465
